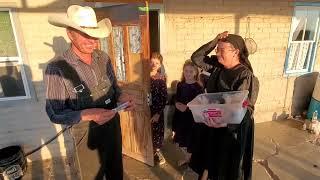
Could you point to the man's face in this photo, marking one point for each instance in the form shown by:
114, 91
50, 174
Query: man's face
84, 43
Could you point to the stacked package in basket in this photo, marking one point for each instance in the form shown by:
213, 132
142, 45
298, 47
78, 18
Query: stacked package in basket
224, 107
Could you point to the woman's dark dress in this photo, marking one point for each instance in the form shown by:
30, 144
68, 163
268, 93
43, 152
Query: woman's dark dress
226, 152
183, 122
158, 90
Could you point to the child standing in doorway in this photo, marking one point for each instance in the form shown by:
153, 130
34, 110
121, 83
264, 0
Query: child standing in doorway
158, 91
182, 126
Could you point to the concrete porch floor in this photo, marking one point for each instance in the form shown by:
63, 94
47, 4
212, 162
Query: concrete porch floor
282, 151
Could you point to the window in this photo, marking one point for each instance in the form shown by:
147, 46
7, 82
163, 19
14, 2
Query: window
123, 43
303, 40
117, 34
13, 83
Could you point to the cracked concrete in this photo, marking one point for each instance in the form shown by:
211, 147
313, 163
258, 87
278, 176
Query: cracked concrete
264, 162
282, 152
296, 159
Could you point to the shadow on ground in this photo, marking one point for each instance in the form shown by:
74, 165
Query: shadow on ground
282, 151
169, 171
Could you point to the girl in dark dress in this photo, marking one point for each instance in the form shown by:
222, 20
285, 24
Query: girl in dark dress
158, 91
182, 124
225, 151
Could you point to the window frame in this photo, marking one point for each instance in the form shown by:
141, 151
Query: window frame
313, 50
17, 60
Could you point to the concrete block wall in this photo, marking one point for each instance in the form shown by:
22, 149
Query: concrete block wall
190, 23
25, 122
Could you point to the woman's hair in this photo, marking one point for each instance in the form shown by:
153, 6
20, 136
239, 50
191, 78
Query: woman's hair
190, 63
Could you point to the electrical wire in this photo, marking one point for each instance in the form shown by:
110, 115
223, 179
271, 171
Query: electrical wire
47, 142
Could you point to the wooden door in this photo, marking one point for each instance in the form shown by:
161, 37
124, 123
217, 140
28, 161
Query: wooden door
128, 47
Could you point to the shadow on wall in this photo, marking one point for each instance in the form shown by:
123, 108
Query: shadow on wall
302, 93
25, 123
11, 84
59, 45
58, 167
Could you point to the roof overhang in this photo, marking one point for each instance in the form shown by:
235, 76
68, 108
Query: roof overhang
126, 1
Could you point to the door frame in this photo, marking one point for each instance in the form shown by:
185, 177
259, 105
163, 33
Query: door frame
162, 30
152, 6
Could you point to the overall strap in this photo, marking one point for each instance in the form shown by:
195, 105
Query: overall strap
69, 73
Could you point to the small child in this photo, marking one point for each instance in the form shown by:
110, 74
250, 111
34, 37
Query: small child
182, 125
158, 91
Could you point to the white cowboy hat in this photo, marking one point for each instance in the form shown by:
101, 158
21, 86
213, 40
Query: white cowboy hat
83, 19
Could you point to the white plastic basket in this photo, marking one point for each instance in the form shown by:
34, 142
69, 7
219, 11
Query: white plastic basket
225, 107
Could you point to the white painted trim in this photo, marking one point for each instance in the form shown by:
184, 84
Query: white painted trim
313, 47
297, 42
4, 9
10, 59
14, 98
104, 4
19, 60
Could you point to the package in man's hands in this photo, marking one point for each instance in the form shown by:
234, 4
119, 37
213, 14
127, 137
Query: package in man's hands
121, 107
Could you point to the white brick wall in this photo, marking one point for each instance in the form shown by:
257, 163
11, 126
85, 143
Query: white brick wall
25, 122
188, 24
194, 23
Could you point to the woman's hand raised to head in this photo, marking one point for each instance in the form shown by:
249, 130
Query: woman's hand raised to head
223, 35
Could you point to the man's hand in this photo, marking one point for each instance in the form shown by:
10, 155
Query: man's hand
181, 107
98, 115
155, 118
127, 98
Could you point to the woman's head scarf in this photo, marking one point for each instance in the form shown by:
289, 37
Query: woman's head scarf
238, 43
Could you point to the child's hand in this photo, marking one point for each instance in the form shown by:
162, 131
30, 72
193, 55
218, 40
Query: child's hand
155, 118
181, 107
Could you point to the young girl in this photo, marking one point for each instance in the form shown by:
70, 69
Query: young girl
183, 122
158, 91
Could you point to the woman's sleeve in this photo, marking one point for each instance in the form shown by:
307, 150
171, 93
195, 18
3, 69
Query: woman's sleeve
247, 81
200, 89
200, 56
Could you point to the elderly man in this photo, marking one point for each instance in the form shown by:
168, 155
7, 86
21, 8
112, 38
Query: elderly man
82, 91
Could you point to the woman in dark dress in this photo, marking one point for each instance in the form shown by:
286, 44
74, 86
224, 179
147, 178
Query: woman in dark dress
182, 124
225, 151
158, 91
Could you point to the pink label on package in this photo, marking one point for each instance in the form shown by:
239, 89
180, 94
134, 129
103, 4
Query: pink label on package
212, 113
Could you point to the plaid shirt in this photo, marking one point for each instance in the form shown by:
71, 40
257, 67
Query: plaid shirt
58, 106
